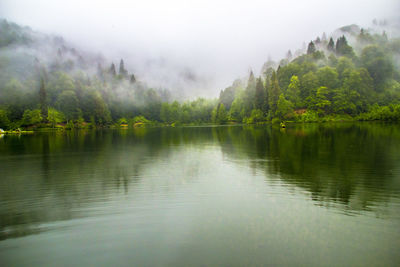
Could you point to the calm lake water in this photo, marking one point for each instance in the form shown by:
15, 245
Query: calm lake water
308, 195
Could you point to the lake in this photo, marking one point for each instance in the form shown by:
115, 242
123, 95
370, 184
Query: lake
308, 195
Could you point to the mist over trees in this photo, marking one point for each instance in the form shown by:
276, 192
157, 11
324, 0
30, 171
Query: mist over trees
44, 82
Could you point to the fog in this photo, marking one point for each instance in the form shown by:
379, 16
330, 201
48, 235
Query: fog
198, 47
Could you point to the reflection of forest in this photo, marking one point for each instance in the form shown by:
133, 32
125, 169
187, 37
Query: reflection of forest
53, 176
353, 165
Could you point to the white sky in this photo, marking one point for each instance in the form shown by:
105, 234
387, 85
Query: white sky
218, 39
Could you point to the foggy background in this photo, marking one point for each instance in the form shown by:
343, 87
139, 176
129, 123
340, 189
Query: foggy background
196, 46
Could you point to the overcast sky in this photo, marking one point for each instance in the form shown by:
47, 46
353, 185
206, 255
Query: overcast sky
220, 40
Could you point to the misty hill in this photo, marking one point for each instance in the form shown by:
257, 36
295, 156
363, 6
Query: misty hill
351, 74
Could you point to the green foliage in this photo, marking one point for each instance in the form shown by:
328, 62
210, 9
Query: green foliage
293, 91
140, 119
236, 113
54, 117
32, 117
365, 87
4, 121
379, 66
171, 112
274, 93
343, 48
259, 95
331, 45
284, 108
309, 116
328, 76
43, 99
122, 121
311, 48
255, 117
68, 104
219, 114
384, 113
249, 96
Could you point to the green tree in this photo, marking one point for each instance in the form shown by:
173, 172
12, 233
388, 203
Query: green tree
122, 71
328, 77
308, 85
54, 117
284, 107
43, 100
259, 95
4, 121
379, 66
311, 48
68, 104
343, 48
323, 104
220, 115
249, 95
227, 96
274, 93
112, 70
331, 45
293, 91
31, 117
236, 112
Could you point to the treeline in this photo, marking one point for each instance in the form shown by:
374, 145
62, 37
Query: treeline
331, 80
107, 98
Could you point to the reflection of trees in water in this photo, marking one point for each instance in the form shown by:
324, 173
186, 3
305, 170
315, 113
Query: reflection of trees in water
54, 176
48, 177
349, 164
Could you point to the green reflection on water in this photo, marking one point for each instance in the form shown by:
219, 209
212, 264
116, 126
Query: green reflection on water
235, 195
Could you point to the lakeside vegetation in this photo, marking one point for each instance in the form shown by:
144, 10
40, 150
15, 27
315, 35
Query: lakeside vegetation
330, 81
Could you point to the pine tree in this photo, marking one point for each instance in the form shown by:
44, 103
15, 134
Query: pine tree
250, 94
260, 95
331, 45
112, 70
342, 47
311, 48
293, 91
133, 79
274, 92
43, 100
122, 71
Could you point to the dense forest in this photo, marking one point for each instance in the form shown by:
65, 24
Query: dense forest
46, 83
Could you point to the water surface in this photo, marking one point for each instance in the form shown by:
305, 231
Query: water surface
310, 195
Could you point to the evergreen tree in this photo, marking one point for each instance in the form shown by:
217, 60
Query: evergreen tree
331, 45
112, 70
249, 94
284, 107
43, 100
133, 79
343, 48
260, 95
122, 71
311, 48
293, 91
274, 93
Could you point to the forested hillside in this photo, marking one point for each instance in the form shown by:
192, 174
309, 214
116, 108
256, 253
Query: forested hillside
44, 82
331, 81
